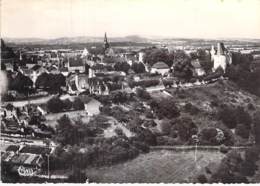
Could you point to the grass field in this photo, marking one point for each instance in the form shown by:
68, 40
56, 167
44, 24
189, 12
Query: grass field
156, 167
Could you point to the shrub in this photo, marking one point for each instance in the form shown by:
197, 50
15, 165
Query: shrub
243, 117
67, 104
184, 128
166, 127
143, 94
192, 109
202, 178
256, 123
250, 106
55, 105
224, 149
78, 104
119, 131
138, 67
208, 136
165, 108
228, 116
243, 131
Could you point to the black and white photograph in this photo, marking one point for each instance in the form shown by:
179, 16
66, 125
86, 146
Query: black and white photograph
130, 91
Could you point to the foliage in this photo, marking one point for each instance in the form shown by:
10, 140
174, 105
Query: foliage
211, 136
144, 83
183, 67
243, 131
138, 67
184, 128
241, 73
235, 169
165, 108
154, 55
143, 94
122, 66
78, 104
50, 82
120, 97
55, 105
68, 132
20, 83
228, 116
256, 124
77, 176
192, 109
233, 116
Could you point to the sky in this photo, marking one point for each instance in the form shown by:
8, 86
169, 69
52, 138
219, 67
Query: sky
167, 18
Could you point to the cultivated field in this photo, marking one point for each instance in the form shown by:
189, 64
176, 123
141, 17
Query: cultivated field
155, 167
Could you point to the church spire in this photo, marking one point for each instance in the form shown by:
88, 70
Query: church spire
106, 44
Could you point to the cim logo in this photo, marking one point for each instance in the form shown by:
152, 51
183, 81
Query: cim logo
25, 171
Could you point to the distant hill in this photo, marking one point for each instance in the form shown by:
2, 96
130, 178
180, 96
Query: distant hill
133, 39
79, 39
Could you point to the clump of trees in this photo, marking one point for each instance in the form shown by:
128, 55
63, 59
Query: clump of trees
138, 67
50, 82
56, 105
122, 66
192, 109
20, 83
144, 83
143, 94
164, 108
82, 145
177, 132
236, 118
235, 169
216, 136
182, 66
153, 55
241, 72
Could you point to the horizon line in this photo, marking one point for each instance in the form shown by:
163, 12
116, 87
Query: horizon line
141, 36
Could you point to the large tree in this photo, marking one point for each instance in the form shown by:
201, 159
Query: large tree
50, 82
138, 68
154, 55
19, 82
182, 66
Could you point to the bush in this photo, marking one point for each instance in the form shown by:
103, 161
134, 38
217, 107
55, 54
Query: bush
119, 131
228, 116
243, 117
243, 131
55, 105
202, 178
165, 108
192, 109
208, 136
184, 128
67, 104
138, 68
78, 104
144, 83
143, 94
166, 127
250, 106
224, 149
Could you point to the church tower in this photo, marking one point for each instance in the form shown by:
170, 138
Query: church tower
212, 53
106, 44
